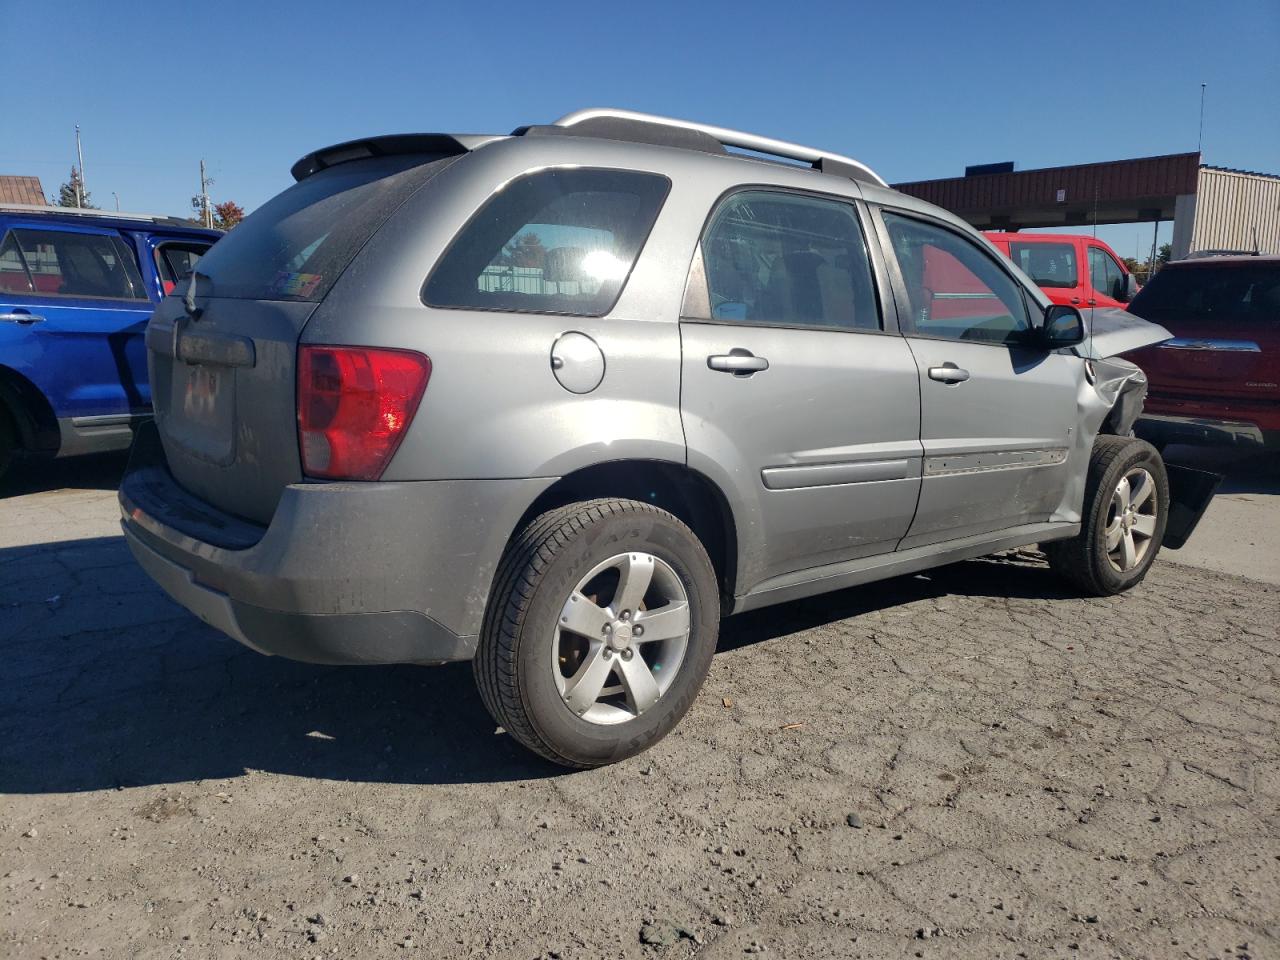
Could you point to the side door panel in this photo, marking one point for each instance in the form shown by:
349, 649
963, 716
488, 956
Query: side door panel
86, 354
997, 418
822, 446
820, 449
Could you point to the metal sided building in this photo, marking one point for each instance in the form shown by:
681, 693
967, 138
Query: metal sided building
1211, 207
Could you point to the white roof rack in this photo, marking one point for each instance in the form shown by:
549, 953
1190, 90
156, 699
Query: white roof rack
731, 138
86, 212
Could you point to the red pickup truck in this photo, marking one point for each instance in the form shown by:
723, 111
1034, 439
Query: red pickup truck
1075, 270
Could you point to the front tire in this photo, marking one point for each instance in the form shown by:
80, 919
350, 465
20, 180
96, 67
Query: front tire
599, 632
1126, 508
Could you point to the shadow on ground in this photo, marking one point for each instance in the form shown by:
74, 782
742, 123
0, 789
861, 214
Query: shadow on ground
131, 690
1246, 470
99, 472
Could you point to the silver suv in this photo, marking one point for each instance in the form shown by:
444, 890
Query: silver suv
558, 401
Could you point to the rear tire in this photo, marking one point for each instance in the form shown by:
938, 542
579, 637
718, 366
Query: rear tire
590, 603
1126, 508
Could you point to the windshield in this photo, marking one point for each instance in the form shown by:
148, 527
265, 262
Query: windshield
296, 245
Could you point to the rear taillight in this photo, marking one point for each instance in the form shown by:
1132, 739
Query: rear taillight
355, 405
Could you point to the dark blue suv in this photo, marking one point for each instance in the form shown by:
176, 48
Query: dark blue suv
76, 289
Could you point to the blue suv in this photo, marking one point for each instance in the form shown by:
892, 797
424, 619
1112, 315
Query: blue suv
76, 289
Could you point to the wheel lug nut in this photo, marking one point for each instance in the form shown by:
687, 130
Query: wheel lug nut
638, 631
607, 653
626, 654
626, 615
607, 628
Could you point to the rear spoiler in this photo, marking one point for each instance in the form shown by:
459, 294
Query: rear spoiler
440, 144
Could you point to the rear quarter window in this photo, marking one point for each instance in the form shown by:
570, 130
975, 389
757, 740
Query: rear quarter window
555, 241
295, 246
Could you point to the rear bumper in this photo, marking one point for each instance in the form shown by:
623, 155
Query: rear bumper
1163, 429
345, 572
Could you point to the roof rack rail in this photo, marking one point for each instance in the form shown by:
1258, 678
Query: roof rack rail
86, 212
819, 159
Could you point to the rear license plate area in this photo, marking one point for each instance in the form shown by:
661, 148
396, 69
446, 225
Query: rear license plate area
201, 418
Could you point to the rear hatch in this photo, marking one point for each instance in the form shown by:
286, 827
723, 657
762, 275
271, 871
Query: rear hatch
1224, 315
223, 374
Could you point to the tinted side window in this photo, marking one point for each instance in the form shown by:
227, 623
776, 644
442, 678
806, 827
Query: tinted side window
1105, 275
13, 272
80, 265
955, 289
1048, 264
177, 261
790, 260
556, 241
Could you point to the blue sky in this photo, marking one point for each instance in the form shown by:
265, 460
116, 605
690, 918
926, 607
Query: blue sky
917, 90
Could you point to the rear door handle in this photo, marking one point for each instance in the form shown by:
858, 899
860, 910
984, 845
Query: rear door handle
21, 316
948, 373
739, 362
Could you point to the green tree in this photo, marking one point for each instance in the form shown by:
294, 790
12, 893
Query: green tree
1165, 254
67, 193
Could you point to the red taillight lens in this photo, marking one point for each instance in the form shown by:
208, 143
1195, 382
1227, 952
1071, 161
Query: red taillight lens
355, 405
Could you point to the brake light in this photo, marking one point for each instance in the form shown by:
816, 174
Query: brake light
355, 405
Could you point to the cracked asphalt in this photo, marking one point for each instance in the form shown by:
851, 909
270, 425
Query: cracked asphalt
970, 763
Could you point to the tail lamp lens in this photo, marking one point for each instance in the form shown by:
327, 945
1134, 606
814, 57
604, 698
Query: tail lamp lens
355, 405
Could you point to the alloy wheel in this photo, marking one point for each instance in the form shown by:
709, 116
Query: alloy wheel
621, 638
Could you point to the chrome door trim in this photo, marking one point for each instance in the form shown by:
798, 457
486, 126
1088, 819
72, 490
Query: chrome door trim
1197, 343
831, 474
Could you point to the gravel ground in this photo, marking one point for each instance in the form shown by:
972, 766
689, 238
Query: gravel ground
971, 763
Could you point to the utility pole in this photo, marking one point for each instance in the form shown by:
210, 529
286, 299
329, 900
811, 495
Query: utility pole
80, 179
206, 215
117, 196
1200, 138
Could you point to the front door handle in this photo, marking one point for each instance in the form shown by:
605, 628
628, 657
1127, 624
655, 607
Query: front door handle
948, 373
21, 316
1075, 300
739, 362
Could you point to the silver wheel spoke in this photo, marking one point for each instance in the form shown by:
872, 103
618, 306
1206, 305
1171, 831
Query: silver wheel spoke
581, 616
1114, 532
1128, 551
583, 689
639, 684
1146, 486
1144, 525
635, 573
664, 623
1124, 493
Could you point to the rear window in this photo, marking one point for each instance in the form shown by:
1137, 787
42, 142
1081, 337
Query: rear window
1048, 264
296, 245
1222, 291
556, 241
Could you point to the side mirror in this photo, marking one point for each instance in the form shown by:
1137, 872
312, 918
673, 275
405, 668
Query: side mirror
1128, 288
1063, 327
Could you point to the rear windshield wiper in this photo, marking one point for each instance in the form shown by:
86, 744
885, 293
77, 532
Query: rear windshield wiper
189, 301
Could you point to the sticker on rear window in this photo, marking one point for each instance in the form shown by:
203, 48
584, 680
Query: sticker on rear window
291, 284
